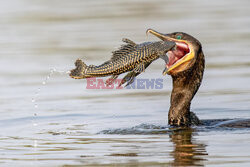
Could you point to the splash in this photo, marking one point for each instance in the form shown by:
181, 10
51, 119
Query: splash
35, 99
142, 129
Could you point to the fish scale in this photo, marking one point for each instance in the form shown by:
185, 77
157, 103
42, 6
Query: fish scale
131, 57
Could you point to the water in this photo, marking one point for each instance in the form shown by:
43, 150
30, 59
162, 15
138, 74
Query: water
49, 119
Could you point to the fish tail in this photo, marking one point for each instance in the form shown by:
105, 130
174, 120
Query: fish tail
79, 71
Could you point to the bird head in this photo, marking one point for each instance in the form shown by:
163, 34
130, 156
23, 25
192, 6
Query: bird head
183, 56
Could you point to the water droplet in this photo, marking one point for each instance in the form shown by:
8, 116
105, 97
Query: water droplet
35, 143
53, 70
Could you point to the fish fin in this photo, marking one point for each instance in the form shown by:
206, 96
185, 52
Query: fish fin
165, 71
111, 80
130, 77
165, 58
128, 41
79, 71
124, 49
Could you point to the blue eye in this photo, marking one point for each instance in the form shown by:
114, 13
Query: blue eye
178, 37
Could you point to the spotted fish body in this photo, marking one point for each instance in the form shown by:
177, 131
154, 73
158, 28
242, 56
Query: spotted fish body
130, 57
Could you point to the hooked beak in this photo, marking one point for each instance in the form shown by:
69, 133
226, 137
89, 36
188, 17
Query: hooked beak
163, 37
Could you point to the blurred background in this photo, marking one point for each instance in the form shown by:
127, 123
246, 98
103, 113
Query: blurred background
47, 118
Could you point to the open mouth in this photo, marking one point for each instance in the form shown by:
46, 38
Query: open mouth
178, 53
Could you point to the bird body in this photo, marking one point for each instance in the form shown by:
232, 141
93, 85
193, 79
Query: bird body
186, 67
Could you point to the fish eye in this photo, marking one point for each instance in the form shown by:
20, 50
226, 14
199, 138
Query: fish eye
178, 37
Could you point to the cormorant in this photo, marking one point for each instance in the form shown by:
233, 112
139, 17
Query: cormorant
186, 66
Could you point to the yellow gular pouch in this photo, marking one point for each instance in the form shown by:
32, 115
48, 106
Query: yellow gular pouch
184, 62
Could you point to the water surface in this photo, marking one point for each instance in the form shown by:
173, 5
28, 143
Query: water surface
49, 119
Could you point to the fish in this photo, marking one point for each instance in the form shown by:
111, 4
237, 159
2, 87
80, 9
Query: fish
130, 57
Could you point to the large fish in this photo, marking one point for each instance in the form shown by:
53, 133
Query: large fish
131, 57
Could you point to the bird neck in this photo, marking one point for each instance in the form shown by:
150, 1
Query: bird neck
185, 86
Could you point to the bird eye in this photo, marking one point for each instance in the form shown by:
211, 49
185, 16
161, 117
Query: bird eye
178, 37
